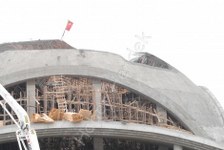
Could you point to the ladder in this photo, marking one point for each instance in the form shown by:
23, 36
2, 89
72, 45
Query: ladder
59, 89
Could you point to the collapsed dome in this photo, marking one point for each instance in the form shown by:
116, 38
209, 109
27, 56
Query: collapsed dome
151, 60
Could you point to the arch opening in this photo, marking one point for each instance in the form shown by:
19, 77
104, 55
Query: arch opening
75, 93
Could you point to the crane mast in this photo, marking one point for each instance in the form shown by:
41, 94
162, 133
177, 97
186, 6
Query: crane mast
26, 137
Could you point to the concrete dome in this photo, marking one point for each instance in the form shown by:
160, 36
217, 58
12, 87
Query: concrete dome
194, 106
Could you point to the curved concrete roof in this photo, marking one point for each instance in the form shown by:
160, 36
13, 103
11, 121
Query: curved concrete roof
170, 88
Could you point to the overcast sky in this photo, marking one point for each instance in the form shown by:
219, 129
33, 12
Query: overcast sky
188, 34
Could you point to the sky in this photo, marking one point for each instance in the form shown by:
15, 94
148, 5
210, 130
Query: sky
187, 34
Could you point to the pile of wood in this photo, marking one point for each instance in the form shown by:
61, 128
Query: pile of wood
41, 118
86, 114
73, 117
77, 117
57, 114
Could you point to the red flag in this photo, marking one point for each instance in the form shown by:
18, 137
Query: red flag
69, 25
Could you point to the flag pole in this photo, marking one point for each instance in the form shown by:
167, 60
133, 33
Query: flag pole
63, 35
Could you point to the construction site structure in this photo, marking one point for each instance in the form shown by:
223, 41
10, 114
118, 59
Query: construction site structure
72, 94
90, 100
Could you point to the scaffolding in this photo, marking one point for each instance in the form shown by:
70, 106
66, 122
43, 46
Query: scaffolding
59, 88
120, 104
67, 94
72, 94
